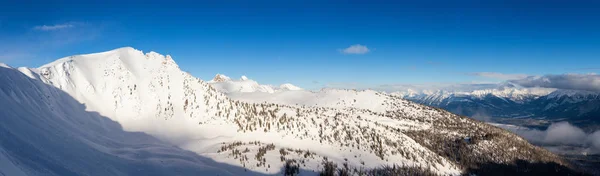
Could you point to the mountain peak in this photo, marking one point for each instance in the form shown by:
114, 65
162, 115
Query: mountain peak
221, 78
244, 78
125, 54
288, 86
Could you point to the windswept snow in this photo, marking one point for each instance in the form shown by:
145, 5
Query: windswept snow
8, 167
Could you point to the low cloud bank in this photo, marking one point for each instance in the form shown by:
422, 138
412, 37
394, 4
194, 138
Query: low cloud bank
562, 133
587, 82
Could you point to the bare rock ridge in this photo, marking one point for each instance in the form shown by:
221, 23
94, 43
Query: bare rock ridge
354, 131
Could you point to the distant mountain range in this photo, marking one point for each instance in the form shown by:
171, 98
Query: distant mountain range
512, 101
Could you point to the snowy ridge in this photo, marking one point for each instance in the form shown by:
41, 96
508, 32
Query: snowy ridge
226, 85
511, 93
243, 85
288, 86
509, 100
576, 95
149, 93
578, 102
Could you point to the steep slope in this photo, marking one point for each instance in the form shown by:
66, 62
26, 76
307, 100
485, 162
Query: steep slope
47, 132
8, 166
148, 93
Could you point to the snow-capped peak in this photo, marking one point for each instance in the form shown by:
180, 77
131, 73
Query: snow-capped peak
578, 94
288, 86
227, 85
220, 78
509, 91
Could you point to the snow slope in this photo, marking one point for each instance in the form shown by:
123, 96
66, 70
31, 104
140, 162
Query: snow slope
125, 107
330, 98
7, 166
47, 132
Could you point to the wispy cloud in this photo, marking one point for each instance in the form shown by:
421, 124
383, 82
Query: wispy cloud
500, 76
54, 27
561, 133
355, 49
39, 44
588, 82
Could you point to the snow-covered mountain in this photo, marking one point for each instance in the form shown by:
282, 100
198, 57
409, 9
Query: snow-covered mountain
505, 91
226, 85
125, 112
512, 101
288, 86
574, 105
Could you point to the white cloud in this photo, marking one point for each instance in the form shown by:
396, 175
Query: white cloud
561, 133
53, 27
356, 49
501, 76
564, 133
588, 82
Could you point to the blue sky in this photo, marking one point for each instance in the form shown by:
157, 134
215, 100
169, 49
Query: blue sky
303, 42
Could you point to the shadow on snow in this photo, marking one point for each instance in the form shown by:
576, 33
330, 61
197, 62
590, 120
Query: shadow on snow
45, 131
